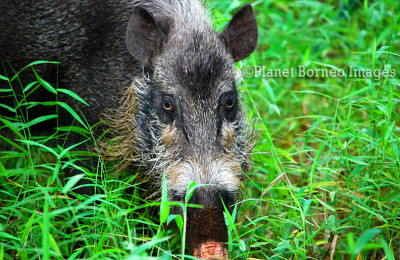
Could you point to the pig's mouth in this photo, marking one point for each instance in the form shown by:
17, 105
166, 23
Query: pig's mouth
211, 250
206, 234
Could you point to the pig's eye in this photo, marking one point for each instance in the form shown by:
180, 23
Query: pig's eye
231, 109
166, 109
230, 103
168, 106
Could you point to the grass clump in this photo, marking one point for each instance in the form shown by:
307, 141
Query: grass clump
41, 215
326, 177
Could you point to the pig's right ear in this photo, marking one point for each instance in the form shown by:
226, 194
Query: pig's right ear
144, 38
241, 33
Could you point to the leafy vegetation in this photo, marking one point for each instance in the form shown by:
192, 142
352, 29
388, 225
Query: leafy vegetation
325, 183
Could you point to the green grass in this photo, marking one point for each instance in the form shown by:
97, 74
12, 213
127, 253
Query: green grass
325, 183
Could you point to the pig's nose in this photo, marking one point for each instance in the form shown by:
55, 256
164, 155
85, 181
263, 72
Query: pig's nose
210, 197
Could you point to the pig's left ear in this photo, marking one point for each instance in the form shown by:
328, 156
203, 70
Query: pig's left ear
241, 33
144, 37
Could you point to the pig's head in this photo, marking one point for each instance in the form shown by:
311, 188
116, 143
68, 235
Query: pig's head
183, 117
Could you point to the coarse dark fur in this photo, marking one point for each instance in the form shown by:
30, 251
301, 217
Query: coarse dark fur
160, 75
87, 37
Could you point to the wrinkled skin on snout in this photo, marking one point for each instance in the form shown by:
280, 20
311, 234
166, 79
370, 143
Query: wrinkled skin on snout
183, 117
